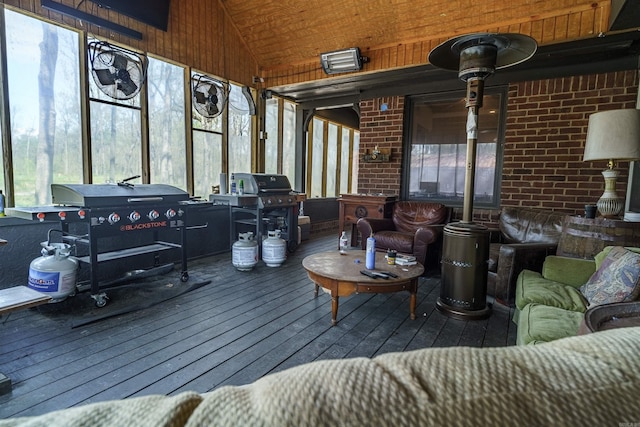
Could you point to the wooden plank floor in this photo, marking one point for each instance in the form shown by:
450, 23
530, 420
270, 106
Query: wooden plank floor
234, 330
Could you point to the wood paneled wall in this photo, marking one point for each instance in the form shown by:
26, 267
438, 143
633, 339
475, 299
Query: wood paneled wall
200, 35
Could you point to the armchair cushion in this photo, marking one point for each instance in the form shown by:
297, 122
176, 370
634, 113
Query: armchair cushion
410, 229
544, 291
540, 323
524, 238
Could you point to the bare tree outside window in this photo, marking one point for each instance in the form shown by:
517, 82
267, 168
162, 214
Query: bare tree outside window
44, 103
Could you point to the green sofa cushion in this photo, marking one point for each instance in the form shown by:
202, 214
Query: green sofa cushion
532, 288
541, 323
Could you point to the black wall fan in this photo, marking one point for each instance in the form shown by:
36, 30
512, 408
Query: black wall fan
209, 96
119, 73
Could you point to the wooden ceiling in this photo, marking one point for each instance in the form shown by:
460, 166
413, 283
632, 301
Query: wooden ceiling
281, 33
286, 37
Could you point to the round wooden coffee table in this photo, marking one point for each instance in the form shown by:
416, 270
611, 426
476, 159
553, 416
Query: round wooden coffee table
340, 274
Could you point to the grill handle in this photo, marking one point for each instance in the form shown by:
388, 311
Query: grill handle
275, 190
144, 199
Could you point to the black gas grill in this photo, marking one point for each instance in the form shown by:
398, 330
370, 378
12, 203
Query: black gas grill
122, 212
268, 202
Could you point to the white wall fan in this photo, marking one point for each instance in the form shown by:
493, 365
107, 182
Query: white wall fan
209, 96
119, 73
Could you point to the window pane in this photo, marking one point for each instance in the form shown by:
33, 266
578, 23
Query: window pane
332, 159
44, 94
438, 150
289, 142
239, 132
166, 123
115, 143
317, 147
354, 165
345, 171
271, 143
207, 162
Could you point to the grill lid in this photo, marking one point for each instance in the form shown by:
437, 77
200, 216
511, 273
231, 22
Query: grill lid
104, 195
264, 184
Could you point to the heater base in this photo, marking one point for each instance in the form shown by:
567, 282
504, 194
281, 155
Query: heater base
461, 313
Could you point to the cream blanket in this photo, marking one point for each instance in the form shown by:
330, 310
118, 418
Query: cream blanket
587, 380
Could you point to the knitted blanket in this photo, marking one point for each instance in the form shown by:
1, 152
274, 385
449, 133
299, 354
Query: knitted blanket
587, 380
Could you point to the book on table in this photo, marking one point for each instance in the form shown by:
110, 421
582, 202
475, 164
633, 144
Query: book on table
402, 259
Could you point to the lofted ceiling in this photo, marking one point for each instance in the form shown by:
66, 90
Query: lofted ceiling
289, 35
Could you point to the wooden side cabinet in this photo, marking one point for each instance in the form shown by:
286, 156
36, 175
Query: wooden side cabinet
356, 206
584, 237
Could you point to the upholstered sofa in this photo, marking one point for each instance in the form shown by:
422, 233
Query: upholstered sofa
521, 240
551, 304
414, 228
592, 379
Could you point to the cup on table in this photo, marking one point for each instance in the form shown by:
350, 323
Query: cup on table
391, 257
590, 211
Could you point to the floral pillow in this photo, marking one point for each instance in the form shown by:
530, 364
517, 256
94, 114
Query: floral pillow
617, 279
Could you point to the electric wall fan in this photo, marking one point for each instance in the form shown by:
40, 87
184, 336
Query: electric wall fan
209, 96
119, 73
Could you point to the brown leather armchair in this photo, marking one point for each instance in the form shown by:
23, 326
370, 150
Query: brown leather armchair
412, 228
523, 240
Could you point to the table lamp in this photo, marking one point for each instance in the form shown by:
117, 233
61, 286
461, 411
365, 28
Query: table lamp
612, 135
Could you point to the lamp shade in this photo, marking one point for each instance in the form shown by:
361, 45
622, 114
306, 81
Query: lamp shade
613, 135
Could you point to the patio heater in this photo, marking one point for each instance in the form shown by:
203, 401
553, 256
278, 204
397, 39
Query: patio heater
463, 292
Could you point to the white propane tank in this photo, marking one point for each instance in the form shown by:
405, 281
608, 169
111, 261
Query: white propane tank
54, 273
274, 249
244, 252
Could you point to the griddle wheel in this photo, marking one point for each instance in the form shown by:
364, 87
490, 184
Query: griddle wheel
100, 299
184, 277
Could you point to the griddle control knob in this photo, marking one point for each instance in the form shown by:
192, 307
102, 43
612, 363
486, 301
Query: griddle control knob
170, 213
279, 201
134, 216
269, 201
289, 200
153, 215
113, 218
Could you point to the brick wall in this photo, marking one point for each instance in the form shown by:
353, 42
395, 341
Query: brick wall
383, 129
546, 129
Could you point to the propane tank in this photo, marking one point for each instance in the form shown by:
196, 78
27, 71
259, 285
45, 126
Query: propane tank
244, 253
54, 273
274, 249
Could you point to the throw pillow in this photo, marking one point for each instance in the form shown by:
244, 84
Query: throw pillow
617, 279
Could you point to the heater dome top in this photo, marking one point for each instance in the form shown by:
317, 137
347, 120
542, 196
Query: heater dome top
511, 49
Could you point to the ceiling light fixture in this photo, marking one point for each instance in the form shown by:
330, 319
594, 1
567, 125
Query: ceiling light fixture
342, 61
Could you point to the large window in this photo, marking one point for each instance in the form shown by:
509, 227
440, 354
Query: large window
280, 145
136, 121
116, 128
207, 143
44, 104
437, 157
239, 131
331, 159
167, 146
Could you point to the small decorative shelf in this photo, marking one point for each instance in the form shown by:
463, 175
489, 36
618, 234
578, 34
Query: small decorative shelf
377, 155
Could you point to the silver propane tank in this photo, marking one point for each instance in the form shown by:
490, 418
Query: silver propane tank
244, 252
54, 273
274, 249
